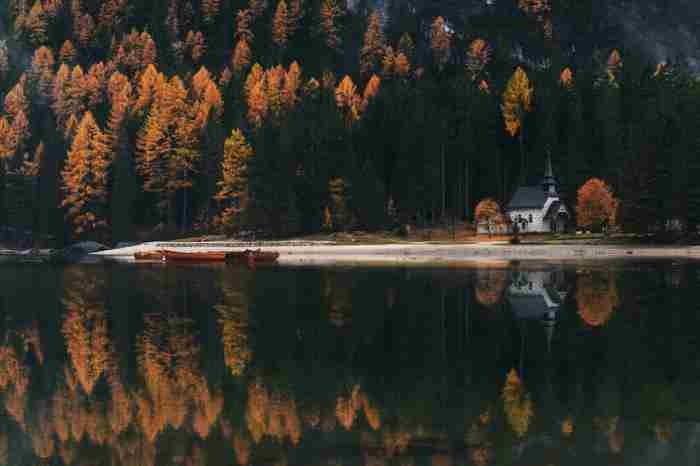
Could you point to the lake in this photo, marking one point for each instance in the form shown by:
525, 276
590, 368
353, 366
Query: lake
507, 363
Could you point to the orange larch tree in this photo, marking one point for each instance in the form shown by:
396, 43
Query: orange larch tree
595, 205
372, 51
440, 39
4, 59
85, 179
488, 212
36, 24
67, 54
233, 187
241, 57
210, 10
257, 7
41, 72
371, 91
168, 145
347, 100
292, 83
196, 45
280, 26
330, 14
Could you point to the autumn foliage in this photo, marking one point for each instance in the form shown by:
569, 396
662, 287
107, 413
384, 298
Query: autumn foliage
489, 212
595, 205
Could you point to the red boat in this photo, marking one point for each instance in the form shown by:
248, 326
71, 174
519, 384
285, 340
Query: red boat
149, 256
176, 256
252, 257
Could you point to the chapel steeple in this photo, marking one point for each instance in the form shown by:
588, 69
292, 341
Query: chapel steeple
549, 183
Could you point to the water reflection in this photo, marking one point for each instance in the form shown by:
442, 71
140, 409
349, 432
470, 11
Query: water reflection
510, 364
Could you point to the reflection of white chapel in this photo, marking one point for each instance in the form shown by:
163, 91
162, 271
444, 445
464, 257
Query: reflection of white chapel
537, 295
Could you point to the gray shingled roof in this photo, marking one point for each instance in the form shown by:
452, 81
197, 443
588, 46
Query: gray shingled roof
528, 197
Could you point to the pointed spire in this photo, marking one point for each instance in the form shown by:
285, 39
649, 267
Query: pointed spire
549, 184
548, 167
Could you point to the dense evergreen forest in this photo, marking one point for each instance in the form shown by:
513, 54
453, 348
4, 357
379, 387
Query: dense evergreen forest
125, 118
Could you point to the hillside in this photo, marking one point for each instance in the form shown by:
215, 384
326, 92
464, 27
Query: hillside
123, 118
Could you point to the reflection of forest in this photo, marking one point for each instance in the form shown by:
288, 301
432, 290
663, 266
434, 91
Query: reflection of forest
226, 366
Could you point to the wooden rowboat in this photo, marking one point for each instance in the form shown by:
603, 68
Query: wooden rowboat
250, 256
148, 256
176, 256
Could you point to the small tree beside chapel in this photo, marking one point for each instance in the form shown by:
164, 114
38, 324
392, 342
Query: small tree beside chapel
488, 215
596, 206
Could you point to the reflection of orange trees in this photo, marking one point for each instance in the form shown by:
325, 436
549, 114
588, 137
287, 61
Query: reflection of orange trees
85, 328
312, 415
233, 318
517, 404
478, 445
32, 342
337, 299
241, 447
489, 286
395, 441
12, 371
272, 413
15, 403
480, 455
134, 450
257, 408
662, 430
440, 459
346, 407
567, 426
169, 363
597, 297
42, 434
3, 448
610, 427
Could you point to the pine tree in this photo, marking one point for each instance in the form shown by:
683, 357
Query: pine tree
85, 179
241, 57
280, 26
244, 19
292, 84
371, 91
440, 39
196, 45
339, 191
257, 7
256, 96
517, 101
41, 72
4, 60
347, 100
68, 53
210, 9
330, 16
233, 187
372, 51
167, 147
36, 24
85, 31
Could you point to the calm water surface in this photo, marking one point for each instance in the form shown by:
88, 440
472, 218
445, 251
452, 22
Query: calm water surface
524, 364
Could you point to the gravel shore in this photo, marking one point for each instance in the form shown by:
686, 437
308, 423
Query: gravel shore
312, 253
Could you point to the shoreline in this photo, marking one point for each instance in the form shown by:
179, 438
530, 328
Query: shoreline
326, 253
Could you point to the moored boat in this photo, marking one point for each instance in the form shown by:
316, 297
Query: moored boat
149, 256
250, 256
177, 256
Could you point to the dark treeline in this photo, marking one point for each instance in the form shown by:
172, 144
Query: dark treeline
123, 117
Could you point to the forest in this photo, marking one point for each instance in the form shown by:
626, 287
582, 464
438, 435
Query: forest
124, 119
